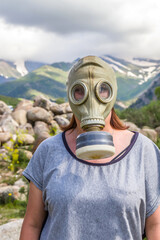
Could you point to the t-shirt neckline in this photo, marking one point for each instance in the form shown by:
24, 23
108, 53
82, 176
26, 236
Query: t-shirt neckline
120, 156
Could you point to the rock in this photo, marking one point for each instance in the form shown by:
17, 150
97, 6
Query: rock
41, 129
67, 116
158, 131
20, 183
7, 194
42, 102
12, 192
4, 108
3, 156
25, 139
9, 144
20, 116
66, 107
54, 125
27, 128
2, 151
150, 133
146, 127
57, 109
25, 105
62, 122
132, 126
11, 230
54, 128
8, 124
39, 114
5, 136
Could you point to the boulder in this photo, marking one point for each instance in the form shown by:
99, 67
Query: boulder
146, 127
150, 133
42, 102
54, 125
5, 136
9, 144
27, 128
8, 124
7, 194
41, 129
67, 116
20, 116
57, 109
12, 192
62, 122
25, 139
11, 230
4, 108
66, 107
20, 183
132, 126
3, 156
39, 114
24, 104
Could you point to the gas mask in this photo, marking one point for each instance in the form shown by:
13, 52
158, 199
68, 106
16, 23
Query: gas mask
92, 91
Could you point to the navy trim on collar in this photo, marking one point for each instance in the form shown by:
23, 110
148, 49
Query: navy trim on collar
120, 156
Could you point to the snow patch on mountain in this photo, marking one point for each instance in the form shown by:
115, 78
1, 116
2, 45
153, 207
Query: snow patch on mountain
20, 66
143, 69
130, 74
115, 62
117, 68
141, 63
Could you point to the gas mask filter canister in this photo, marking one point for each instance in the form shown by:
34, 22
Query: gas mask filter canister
92, 91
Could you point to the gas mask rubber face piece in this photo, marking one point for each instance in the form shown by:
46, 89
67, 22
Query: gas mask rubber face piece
92, 91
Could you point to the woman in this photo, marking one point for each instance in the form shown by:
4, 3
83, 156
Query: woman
115, 197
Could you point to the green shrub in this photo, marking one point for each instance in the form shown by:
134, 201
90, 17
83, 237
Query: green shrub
157, 92
148, 115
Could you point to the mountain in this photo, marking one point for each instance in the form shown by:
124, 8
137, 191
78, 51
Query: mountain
13, 70
45, 80
7, 72
65, 66
27, 79
134, 76
148, 95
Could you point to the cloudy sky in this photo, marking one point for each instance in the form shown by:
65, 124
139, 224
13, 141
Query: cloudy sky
64, 30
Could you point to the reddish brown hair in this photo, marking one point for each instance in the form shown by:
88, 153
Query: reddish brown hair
115, 122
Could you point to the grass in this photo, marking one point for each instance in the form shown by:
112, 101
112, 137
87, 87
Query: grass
11, 210
9, 100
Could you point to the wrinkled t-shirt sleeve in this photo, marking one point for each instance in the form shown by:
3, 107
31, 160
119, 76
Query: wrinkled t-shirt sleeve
152, 179
34, 170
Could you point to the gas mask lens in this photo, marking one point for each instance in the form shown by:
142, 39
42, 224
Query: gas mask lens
104, 91
78, 93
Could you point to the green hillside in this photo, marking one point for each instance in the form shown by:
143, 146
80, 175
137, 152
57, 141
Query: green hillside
46, 80
50, 80
9, 100
63, 65
128, 88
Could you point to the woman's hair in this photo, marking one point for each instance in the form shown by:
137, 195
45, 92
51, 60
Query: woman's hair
115, 122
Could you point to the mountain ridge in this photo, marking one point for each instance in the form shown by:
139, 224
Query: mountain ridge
134, 77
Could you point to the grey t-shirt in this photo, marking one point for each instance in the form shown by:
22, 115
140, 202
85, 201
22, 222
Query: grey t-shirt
87, 201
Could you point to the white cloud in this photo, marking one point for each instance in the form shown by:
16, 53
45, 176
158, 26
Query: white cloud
63, 30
